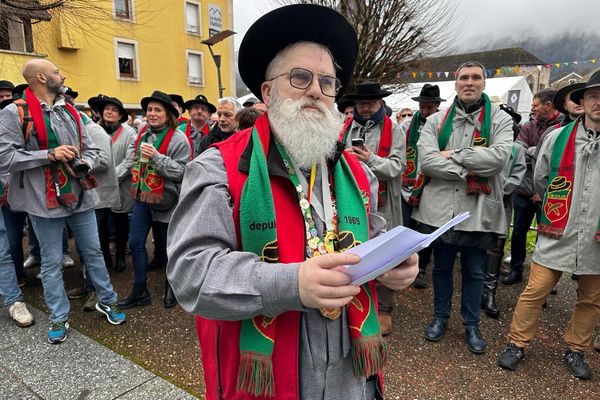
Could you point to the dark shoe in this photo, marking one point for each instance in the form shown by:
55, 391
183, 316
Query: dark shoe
512, 278
597, 343
578, 364
155, 264
436, 329
139, 296
475, 341
491, 268
421, 281
505, 269
511, 356
77, 293
169, 300
554, 290
90, 302
120, 264
385, 322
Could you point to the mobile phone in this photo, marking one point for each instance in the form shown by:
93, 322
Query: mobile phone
358, 142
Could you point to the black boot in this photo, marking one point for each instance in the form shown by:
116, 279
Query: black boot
491, 269
120, 263
169, 300
421, 280
139, 296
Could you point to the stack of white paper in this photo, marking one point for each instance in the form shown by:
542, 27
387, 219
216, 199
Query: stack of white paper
387, 251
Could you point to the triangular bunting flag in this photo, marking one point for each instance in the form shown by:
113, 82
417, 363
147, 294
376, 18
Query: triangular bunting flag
548, 66
430, 74
454, 73
566, 64
557, 65
414, 74
406, 74
593, 61
584, 61
438, 74
498, 70
446, 73
575, 62
422, 74
516, 69
489, 72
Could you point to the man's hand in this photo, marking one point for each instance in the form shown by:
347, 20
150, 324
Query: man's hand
536, 198
401, 276
362, 153
446, 153
322, 282
64, 153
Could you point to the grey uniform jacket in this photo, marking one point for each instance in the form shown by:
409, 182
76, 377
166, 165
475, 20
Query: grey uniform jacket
119, 148
212, 278
25, 161
387, 169
445, 196
576, 251
171, 166
104, 172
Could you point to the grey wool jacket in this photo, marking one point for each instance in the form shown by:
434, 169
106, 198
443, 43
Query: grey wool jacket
104, 172
445, 196
26, 162
119, 152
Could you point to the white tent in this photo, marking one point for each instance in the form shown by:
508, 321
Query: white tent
511, 90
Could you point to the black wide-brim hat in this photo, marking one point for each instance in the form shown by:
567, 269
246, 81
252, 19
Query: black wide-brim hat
7, 85
283, 26
429, 94
594, 81
101, 103
561, 95
200, 99
162, 98
177, 99
343, 103
71, 92
368, 90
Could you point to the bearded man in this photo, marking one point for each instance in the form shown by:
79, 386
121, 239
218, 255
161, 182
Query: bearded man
262, 273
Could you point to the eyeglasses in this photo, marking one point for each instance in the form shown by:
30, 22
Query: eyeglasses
301, 78
406, 115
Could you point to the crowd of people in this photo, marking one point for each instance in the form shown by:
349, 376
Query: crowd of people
251, 210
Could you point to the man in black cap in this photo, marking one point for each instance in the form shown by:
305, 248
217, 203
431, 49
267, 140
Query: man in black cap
250, 102
568, 178
382, 149
197, 127
257, 215
6, 90
429, 103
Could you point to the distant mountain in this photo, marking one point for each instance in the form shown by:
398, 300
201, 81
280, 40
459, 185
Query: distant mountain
565, 47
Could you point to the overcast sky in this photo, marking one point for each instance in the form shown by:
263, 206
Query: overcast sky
489, 19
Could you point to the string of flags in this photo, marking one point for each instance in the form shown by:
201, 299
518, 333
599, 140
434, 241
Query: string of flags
494, 71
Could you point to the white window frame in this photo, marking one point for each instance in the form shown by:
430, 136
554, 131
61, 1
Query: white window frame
196, 3
137, 71
131, 11
187, 59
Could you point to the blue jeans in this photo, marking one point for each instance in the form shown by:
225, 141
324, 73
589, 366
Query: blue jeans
9, 289
141, 223
523, 210
14, 222
471, 261
84, 227
34, 245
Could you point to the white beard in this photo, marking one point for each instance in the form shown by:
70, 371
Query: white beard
308, 136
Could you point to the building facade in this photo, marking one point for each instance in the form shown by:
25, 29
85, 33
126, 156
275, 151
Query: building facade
124, 48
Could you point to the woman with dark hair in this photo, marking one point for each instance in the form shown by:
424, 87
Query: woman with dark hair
157, 158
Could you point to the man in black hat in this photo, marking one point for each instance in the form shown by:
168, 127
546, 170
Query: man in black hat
6, 90
197, 127
429, 103
346, 107
382, 149
265, 203
250, 102
71, 94
179, 104
568, 176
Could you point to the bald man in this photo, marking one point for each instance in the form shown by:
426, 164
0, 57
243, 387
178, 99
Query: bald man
50, 181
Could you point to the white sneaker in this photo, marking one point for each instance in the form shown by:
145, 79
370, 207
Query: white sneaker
31, 262
20, 314
507, 260
67, 261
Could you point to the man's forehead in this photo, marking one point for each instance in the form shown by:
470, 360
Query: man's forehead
470, 71
307, 54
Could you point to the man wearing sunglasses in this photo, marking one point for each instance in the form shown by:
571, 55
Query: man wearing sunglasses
277, 317
381, 147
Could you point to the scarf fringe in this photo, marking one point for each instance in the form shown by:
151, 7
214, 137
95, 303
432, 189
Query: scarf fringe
369, 355
255, 375
150, 198
475, 187
554, 232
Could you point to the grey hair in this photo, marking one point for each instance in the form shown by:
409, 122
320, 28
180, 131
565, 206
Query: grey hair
230, 100
472, 64
275, 64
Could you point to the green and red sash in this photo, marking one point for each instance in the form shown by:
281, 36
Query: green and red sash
481, 137
116, 135
47, 139
147, 185
258, 207
383, 150
559, 190
409, 177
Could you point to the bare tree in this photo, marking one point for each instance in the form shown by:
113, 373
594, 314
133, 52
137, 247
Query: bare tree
392, 34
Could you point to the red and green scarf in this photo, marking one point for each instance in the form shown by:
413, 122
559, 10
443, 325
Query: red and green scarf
383, 150
258, 335
409, 177
559, 191
186, 127
146, 182
481, 138
47, 139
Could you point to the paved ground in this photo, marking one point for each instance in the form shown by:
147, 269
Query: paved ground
164, 342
